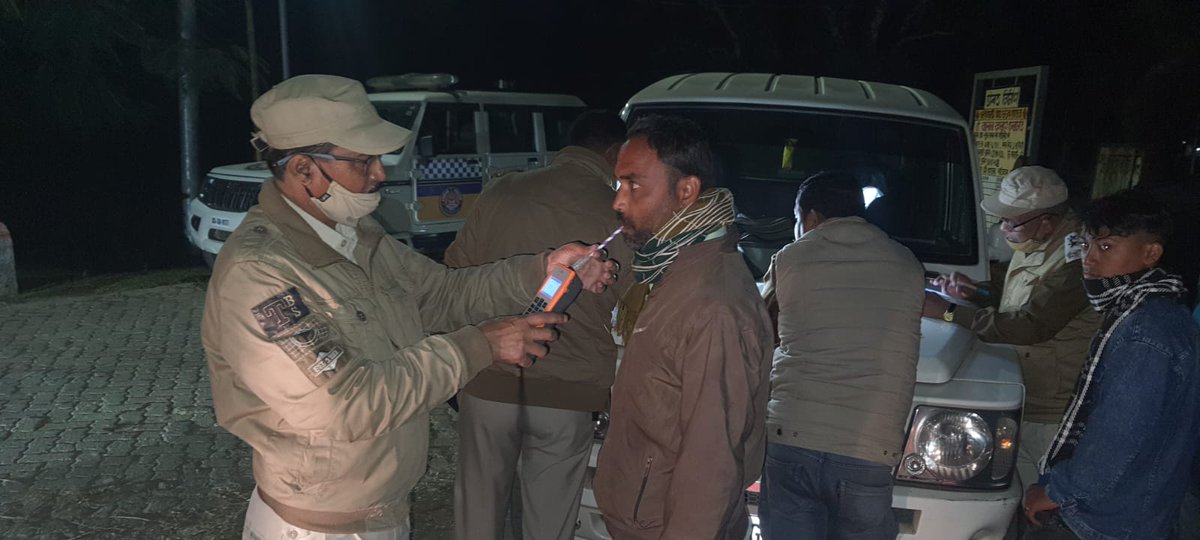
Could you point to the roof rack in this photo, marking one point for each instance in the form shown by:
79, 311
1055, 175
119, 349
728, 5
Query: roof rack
413, 81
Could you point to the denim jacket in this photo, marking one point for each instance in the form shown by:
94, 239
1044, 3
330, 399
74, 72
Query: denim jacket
1132, 464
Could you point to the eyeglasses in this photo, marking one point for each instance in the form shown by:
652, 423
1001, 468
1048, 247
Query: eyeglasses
365, 163
1012, 226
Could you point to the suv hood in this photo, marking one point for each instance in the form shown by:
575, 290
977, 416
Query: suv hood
944, 346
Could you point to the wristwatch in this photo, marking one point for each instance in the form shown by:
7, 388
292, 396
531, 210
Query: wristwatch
948, 315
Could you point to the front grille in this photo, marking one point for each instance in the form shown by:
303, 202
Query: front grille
229, 195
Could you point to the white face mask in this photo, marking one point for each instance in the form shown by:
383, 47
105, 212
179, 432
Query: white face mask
345, 206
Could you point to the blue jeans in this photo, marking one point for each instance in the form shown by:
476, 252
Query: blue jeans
813, 495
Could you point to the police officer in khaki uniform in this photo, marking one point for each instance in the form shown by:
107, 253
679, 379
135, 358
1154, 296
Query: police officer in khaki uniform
1042, 309
329, 342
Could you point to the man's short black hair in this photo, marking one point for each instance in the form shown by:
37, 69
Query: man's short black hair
832, 193
1127, 213
681, 144
596, 129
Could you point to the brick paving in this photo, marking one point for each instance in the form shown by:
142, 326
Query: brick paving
107, 428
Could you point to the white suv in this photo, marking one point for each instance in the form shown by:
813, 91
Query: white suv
916, 160
463, 139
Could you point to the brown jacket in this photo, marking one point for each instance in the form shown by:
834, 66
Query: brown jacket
323, 365
850, 334
570, 200
1044, 312
689, 404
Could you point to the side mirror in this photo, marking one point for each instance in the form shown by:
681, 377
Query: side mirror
425, 146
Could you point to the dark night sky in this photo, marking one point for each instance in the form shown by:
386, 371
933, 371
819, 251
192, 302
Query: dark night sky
93, 184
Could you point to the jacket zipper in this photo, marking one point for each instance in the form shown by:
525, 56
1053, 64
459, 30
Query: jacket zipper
637, 503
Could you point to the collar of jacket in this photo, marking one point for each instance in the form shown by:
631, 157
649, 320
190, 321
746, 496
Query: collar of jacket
583, 157
704, 251
310, 246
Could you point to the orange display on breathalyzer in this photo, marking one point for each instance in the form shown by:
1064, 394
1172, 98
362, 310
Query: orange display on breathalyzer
558, 291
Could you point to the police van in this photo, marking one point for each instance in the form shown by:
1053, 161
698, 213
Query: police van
463, 138
914, 156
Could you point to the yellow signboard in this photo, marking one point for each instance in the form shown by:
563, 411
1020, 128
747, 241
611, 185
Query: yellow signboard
1000, 138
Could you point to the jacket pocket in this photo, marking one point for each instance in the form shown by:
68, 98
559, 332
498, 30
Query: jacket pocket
637, 502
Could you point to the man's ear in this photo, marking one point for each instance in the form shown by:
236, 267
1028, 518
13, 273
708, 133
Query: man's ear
1152, 254
301, 167
687, 190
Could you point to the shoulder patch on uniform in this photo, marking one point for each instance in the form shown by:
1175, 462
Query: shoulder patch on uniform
279, 313
1073, 247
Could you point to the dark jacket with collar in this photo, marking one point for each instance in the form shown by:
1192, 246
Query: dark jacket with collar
687, 429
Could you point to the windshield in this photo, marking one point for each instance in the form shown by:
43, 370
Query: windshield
916, 175
401, 113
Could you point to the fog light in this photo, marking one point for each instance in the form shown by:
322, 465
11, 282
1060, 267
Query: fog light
218, 235
195, 223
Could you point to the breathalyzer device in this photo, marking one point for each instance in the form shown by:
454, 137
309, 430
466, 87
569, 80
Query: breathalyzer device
559, 290
562, 285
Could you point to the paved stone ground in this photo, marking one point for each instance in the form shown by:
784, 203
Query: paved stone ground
107, 427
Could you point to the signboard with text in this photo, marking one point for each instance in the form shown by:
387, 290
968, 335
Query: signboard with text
1006, 113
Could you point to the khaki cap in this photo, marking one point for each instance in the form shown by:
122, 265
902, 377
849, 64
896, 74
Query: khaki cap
1024, 190
316, 109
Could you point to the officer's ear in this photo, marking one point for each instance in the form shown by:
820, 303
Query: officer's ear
300, 166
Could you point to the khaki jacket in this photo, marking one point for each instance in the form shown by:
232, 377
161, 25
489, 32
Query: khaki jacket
1044, 312
689, 404
842, 378
569, 200
325, 368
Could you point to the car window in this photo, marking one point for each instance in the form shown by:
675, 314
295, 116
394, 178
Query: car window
916, 175
557, 124
452, 126
510, 129
401, 113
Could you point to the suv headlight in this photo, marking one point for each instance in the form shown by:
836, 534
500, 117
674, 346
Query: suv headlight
960, 448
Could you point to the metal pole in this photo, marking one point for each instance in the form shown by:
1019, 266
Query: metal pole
188, 100
283, 39
252, 49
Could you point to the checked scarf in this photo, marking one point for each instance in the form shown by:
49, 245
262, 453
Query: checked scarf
1116, 298
711, 212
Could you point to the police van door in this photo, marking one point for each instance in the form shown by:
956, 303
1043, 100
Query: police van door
511, 144
397, 195
447, 179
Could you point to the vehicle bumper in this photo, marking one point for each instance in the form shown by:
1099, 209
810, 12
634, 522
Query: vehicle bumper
210, 220
925, 513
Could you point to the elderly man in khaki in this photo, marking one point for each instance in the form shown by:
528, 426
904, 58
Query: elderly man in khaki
1043, 310
317, 324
